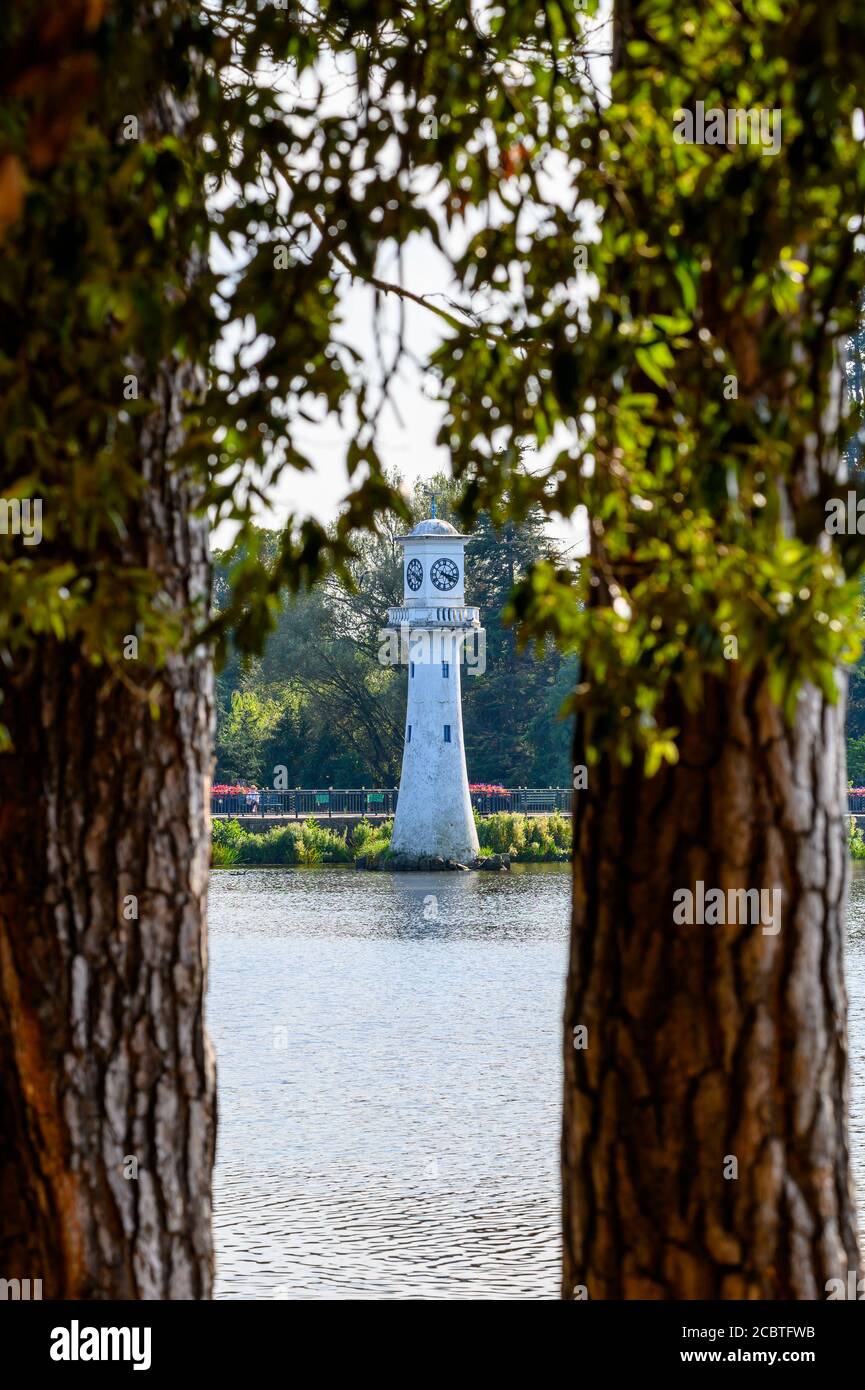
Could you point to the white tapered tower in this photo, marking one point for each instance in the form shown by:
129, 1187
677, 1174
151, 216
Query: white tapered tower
434, 810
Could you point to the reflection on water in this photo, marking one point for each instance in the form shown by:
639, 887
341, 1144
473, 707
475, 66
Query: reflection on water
389, 1080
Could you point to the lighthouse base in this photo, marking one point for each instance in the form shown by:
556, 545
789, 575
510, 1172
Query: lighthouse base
434, 812
431, 863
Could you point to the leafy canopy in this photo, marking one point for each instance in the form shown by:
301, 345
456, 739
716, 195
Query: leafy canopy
301, 129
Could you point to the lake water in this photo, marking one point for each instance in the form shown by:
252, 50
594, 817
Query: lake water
389, 1080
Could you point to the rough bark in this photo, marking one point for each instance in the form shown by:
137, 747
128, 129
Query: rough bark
710, 1042
103, 1054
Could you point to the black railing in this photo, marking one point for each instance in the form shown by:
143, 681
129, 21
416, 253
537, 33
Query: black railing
325, 802
523, 800
305, 802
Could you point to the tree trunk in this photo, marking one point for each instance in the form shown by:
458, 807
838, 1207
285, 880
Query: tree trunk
106, 1082
705, 1150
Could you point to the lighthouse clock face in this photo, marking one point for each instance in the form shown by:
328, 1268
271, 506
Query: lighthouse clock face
444, 574
414, 575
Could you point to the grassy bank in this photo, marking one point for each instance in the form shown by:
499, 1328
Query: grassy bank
527, 839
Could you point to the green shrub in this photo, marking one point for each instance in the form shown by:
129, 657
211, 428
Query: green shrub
371, 841
223, 856
376, 852
309, 854
365, 835
560, 829
318, 845
527, 839
229, 833
855, 842
277, 845
502, 832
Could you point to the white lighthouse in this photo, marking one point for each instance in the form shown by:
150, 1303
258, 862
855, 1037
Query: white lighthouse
434, 810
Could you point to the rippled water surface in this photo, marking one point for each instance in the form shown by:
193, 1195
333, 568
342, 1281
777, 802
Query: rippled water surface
400, 1137
389, 1080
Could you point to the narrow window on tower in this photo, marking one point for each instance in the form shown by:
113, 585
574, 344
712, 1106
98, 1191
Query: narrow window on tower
446, 669
408, 735
411, 664
447, 733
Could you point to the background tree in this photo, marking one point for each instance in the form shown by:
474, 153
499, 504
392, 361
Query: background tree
107, 1090
723, 1042
513, 731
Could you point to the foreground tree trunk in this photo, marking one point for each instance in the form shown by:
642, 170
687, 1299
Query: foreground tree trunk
106, 1083
705, 1149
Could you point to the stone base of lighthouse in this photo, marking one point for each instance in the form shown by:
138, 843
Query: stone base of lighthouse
421, 863
434, 817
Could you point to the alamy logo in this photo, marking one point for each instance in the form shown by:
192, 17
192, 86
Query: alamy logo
845, 516
854, 1290
438, 646
76, 1343
729, 126
738, 906
21, 518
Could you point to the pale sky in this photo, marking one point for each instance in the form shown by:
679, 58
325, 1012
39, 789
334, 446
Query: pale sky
407, 433
406, 439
